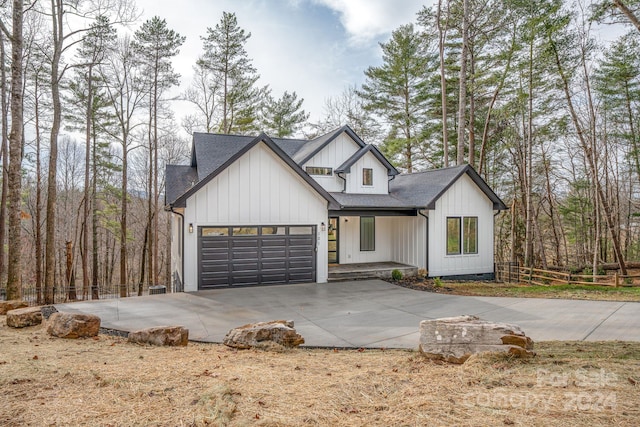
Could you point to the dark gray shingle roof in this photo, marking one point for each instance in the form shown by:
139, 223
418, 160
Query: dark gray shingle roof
179, 179
425, 188
227, 154
407, 191
346, 166
382, 201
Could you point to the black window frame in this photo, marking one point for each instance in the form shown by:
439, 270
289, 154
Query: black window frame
368, 244
463, 226
364, 177
458, 235
316, 170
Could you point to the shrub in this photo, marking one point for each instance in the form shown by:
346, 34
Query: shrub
437, 282
422, 272
396, 274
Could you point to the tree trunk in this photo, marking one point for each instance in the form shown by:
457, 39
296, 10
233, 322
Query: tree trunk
590, 160
462, 94
472, 109
95, 294
14, 271
87, 188
5, 159
123, 223
552, 212
528, 253
156, 226
69, 275
38, 213
50, 244
628, 13
143, 259
494, 98
442, 34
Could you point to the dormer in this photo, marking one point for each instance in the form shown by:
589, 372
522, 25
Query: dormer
341, 162
367, 171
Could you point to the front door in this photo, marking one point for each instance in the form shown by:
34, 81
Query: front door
332, 235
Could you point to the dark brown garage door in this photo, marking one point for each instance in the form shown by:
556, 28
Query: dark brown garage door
256, 255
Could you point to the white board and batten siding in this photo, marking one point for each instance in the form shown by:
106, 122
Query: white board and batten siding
463, 198
257, 189
380, 176
399, 239
333, 155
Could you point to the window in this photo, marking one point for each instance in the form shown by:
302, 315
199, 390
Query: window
316, 170
470, 236
453, 235
462, 235
367, 176
367, 233
245, 231
215, 231
302, 230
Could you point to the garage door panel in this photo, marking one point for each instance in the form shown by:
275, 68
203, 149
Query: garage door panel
243, 242
244, 279
221, 243
301, 241
215, 256
301, 277
214, 281
245, 266
273, 265
274, 278
270, 254
210, 267
243, 259
274, 241
301, 263
237, 255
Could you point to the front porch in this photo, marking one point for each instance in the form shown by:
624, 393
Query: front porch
368, 270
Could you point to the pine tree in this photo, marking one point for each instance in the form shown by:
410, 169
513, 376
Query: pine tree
397, 91
285, 116
225, 55
155, 44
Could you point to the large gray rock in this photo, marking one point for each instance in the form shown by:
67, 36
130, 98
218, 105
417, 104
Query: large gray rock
23, 317
264, 335
6, 306
161, 335
73, 325
455, 339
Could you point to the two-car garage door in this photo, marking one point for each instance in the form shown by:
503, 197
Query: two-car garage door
256, 255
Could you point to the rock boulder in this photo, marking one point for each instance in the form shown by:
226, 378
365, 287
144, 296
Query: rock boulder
23, 317
455, 339
73, 325
264, 335
13, 304
162, 335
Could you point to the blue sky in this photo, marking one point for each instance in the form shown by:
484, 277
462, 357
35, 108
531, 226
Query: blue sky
313, 47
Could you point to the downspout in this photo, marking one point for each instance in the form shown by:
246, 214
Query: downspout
426, 217
344, 185
181, 245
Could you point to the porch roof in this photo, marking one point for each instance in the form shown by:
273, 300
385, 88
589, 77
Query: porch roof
380, 201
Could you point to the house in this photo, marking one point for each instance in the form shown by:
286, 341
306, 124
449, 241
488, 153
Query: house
260, 210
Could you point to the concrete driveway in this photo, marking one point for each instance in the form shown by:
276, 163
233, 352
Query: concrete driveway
367, 313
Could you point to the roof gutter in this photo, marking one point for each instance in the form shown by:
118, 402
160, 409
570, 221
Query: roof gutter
426, 217
344, 181
181, 244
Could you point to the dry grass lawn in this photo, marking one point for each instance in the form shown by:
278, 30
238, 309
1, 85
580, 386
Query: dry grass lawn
109, 382
515, 290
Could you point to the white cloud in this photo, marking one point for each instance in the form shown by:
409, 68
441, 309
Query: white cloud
364, 20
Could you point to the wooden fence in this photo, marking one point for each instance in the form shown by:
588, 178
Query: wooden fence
512, 273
